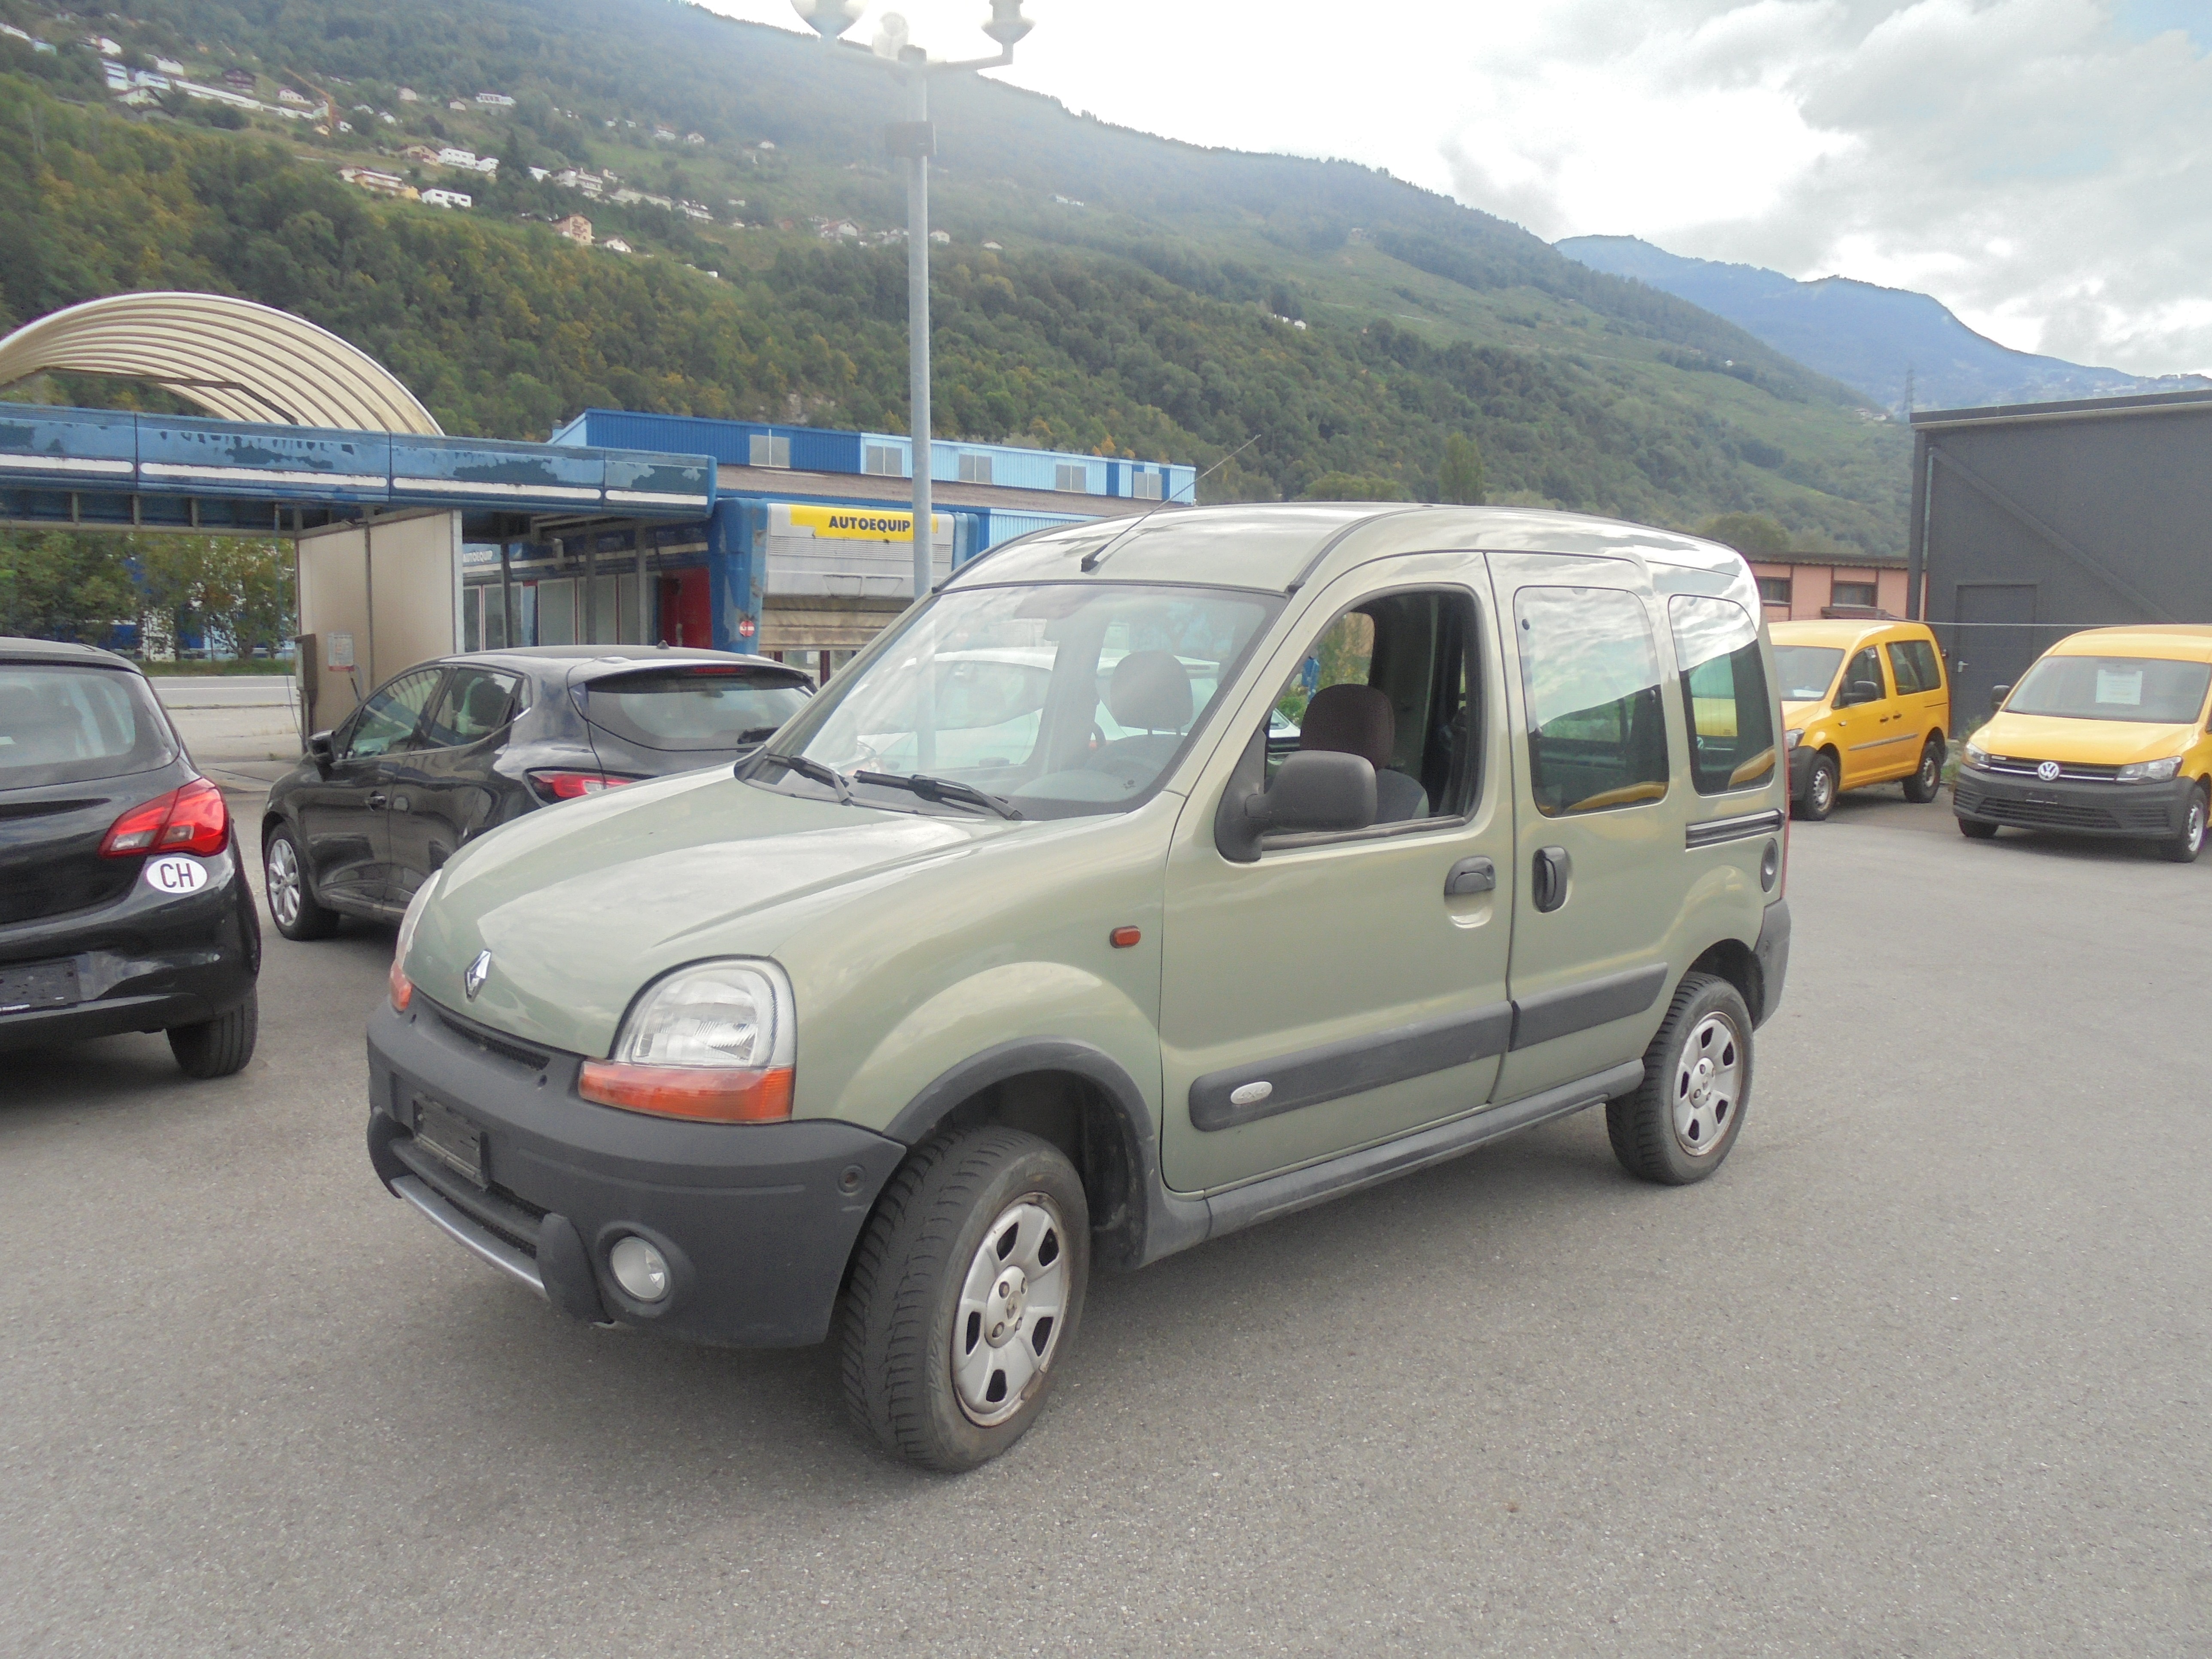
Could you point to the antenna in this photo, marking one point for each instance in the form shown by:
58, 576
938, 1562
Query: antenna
1092, 560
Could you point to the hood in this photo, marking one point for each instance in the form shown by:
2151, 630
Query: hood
1798, 713
581, 904
2088, 743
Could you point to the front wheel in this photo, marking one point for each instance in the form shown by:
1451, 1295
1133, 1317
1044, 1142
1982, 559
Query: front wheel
1819, 797
2183, 847
220, 1046
1680, 1125
1920, 789
966, 1288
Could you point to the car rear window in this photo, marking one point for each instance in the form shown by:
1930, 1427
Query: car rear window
685, 708
61, 724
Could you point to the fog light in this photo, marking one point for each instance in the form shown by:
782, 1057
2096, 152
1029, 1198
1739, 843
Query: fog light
641, 1270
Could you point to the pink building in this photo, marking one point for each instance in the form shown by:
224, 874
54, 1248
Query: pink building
1802, 586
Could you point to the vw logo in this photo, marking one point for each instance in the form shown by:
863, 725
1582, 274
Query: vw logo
2048, 771
479, 971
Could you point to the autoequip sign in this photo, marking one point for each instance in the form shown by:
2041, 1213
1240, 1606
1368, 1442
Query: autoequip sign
858, 524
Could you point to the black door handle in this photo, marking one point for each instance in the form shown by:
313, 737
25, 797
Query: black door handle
1549, 891
376, 801
1471, 876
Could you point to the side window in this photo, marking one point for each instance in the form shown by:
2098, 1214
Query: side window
1912, 665
1724, 696
1865, 669
1590, 668
1391, 680
387, 720
476, 702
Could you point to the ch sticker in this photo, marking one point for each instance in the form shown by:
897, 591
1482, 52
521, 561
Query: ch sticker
176, 874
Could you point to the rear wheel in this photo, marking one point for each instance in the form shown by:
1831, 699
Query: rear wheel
1679, 1125
1819, 797
220, 1046
1920, 789
1975, 829
292, 903
2183, 847
967, 1287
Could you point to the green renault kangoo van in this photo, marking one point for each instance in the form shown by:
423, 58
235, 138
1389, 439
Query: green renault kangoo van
1148, 881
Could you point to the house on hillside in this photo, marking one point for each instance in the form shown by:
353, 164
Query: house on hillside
577, 179
421, 154
615, 244
381, 184
496, 100
695, 137
168, 66
239, 80
576, 227
409, 96
292, 100
448, 198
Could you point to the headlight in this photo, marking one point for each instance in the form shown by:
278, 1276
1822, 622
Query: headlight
2157, 771
1791, 740
403, 988
713, 1041
1977, 755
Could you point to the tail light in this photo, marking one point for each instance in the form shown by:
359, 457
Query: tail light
191, 818
573, 785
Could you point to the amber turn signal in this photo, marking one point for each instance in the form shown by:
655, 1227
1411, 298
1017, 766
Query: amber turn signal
703, 1094
1122, 937
403, 988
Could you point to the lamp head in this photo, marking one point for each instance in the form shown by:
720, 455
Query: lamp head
830, 18
890, 36
1007, 25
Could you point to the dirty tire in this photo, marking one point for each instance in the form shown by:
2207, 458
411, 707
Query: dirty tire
291, 895
1820, 788
1977, 829
1642, 1125
2183, 847
1927, 778
902, 1301
220, 1046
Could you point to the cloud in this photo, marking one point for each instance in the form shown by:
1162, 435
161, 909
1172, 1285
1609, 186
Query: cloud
2044, 166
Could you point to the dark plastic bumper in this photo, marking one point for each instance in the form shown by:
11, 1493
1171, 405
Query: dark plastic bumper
2156, 810
756, 1221
146, 963
1801, 769
1771, 953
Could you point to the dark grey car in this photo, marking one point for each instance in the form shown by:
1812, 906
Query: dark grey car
436, 757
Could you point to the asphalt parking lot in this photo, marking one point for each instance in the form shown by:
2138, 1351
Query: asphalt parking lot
1923, 1371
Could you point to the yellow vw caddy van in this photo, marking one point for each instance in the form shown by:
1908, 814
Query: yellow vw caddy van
1862, 703
2104, 735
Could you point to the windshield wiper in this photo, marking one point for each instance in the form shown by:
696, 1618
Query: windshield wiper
756, 734
942, 790
805, 766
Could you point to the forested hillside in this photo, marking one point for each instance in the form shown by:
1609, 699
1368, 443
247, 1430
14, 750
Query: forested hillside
1139, 302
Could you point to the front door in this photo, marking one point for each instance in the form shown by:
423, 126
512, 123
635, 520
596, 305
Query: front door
1875, 743
343, 815
1344, 988
1600, 879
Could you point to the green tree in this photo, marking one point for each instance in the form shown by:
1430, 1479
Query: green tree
1752, 534
56, 585
1354, 487
1460, 478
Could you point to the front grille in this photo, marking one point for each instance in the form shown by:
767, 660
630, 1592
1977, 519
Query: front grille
513, 1218
492, 1042
2013, 766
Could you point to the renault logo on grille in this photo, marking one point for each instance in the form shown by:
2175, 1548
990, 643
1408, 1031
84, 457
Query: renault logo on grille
479, 971
2048, 771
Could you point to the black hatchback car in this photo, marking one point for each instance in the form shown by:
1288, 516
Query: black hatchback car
123, 901
437, 755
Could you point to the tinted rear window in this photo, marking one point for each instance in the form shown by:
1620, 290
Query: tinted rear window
60, 724
692, 708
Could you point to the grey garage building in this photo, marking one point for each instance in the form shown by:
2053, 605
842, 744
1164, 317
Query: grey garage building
2033, 521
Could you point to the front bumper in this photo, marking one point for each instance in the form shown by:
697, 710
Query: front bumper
146, 963
2155, 810
1801, 769
756, 1221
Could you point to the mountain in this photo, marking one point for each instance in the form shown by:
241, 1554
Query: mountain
1103, 289
1867, 337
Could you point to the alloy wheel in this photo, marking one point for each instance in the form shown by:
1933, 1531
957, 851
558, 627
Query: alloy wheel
283, 869
1708, 1083
1008, 1321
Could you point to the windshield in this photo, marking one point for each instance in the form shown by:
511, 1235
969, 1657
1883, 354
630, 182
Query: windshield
705, 708
67, 725
1805, 671
1054, 701
2154, 690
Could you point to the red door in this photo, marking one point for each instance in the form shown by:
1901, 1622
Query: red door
686, 611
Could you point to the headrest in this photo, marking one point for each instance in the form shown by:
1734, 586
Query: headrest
1351, 719
1150, 691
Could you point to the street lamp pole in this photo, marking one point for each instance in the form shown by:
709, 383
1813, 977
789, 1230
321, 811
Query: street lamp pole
914, 139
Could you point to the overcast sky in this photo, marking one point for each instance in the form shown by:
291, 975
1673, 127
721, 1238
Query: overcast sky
2043, 166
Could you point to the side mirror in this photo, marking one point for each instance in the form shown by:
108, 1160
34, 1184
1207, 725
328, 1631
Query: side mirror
1861, 691
1997, 695
322, 751
1315, 789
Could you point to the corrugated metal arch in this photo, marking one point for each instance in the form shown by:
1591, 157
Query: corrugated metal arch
236, 360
